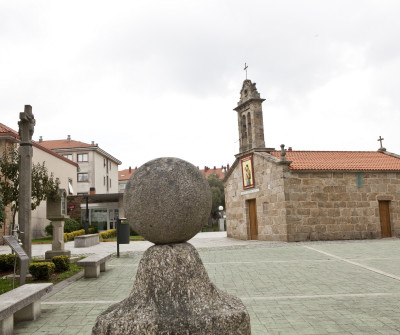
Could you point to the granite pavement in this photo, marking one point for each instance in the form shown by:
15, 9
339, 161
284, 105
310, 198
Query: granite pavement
337, 287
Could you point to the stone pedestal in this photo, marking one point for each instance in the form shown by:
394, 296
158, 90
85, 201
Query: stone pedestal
173, 294
58, 242
221, 224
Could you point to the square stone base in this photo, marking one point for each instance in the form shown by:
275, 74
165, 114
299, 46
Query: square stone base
49, 254
92, 271
30, 312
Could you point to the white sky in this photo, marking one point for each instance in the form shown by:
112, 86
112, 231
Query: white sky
146, 79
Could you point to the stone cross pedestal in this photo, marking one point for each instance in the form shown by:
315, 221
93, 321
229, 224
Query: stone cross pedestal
26, 127
56, 209
57, 246
167, 201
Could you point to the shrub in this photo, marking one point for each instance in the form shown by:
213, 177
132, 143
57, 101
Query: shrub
61, 263
95, 226
108, 234
71, 225
42, 270
49, 229
7, 262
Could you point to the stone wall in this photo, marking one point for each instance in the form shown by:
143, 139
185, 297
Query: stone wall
301, 206
333, 206
270, 201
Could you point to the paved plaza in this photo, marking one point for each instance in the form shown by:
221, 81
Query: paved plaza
349, 287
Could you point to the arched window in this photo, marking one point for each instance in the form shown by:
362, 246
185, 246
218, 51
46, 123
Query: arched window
244, 131
249, 129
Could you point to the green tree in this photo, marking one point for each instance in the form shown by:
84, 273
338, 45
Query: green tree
2, 211
218, 195
43, 184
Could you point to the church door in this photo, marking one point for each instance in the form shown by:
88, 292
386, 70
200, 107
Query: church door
253, 219
384, 215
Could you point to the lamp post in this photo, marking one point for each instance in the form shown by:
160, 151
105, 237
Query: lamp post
221, 219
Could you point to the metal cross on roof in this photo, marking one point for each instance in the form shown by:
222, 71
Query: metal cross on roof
245, 68
380, 139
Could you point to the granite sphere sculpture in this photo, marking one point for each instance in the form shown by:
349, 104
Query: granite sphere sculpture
167, 200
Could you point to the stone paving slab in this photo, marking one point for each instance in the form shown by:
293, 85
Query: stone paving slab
288, 288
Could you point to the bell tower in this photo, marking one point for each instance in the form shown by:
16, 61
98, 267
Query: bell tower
250, 118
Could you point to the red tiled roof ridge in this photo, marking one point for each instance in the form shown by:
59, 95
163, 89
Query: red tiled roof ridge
341, 160
65, 144
36, 144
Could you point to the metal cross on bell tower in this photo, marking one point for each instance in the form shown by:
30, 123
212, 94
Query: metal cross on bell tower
245, 69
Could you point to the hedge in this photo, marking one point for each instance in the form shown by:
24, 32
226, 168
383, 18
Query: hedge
42, 270
71, 236
62, 263
108, 233
7, 262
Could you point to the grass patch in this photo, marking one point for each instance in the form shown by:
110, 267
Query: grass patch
73, 269
6, 284
131, 238
43, 240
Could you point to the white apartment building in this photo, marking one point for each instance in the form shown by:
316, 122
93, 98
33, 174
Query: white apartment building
98, 170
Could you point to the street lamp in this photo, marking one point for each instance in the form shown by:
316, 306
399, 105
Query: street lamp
221, 219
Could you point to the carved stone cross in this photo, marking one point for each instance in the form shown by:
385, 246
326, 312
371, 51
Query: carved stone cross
245, 69
380, 139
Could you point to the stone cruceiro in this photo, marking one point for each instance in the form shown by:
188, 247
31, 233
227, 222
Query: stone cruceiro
167, 200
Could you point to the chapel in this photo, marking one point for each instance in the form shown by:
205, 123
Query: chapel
289, 195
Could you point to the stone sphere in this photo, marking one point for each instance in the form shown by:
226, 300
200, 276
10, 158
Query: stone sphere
167, 200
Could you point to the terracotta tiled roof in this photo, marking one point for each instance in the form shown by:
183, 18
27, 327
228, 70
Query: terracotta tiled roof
125, 174
7, 130
214, 171
64, 144
340, 160
4, 130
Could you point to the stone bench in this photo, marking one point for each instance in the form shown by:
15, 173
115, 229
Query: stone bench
94, 264
84, 241
21, 304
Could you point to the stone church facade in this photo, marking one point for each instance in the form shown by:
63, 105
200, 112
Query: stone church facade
287, 195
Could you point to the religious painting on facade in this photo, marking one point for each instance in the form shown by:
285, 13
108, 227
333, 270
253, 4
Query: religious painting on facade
247, 171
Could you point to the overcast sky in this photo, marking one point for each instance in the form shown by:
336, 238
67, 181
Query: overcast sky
148, 79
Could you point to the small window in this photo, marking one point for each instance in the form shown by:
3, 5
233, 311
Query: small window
104, 181
69, 156
122, 186
104, 162
83, 158
110, 182
83, 177
359, 179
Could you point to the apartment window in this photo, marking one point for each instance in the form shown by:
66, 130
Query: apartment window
83, 158
110, 182
122, 186
104, 162
104, 181
69, 156
82, 177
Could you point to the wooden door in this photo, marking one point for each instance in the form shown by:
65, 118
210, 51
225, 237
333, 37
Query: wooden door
253, 219
384, 214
